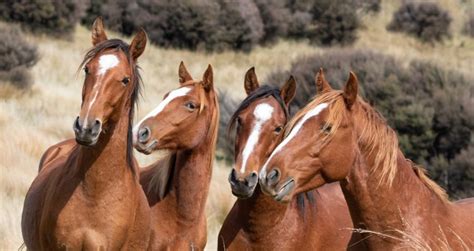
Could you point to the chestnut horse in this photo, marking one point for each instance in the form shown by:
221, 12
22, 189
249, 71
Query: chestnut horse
317, 220
87, 194
340, 137
185, 123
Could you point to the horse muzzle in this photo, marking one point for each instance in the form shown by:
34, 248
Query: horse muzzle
243, 187
271, 184
87, 133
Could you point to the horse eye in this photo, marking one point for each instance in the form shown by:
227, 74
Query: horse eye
86, 70
190, 106
326, 128
126, 80
278, 129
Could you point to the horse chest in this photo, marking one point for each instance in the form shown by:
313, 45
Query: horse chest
98, 221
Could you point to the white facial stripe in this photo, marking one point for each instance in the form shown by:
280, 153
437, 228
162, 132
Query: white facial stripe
96, 90
107, 62
262, 113
312, 113
171, 96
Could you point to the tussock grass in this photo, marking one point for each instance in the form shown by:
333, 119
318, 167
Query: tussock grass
30, 121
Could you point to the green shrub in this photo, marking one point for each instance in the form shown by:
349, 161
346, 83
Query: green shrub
216, 25
323, 22
240, 26
426, 21
116, 14
211, 25
336, 23
461, 174
274, 15
178, 24
53, 17
16, 56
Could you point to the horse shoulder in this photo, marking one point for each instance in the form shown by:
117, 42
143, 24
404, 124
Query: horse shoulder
55, 151
38, 208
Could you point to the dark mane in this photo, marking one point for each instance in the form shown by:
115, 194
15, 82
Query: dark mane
261, 92
136, 81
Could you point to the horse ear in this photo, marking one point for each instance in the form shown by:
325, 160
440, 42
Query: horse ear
98, 31
350, 90
183, 74
251, 81
322, 85
208, 79
138, 44
288, 90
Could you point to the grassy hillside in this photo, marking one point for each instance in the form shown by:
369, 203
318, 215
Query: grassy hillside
30, 121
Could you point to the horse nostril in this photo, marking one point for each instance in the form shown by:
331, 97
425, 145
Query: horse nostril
77, 126
251, 179
232, 177
143, 135
273, 176
95, 129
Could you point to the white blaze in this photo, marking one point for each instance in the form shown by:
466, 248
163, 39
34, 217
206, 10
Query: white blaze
262, 113
171, 96
312, 113
106, 62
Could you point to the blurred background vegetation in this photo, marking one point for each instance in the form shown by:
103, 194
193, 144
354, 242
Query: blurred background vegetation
414, 60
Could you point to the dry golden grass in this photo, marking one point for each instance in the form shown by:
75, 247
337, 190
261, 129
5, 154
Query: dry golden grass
33, 120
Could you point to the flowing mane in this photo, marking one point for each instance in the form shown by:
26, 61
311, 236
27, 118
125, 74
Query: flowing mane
213, 130
375, 136
136, 81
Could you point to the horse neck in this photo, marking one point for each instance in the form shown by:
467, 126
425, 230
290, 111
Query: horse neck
102, 165
192, 178
378, 206
261, 213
